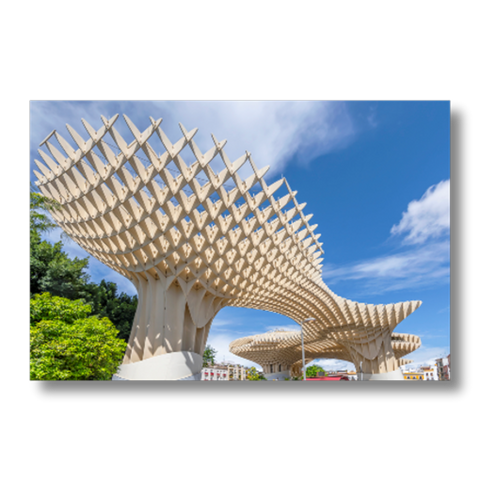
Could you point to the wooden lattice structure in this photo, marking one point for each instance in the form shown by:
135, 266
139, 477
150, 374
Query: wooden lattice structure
192, 246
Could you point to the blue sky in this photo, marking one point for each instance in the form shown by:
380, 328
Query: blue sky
376, 176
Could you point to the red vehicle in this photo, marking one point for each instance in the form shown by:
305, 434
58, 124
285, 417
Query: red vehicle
335, 378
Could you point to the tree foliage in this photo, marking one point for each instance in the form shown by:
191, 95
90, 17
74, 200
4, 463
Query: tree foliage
46, 307
28, 300
51, 270
107, 302
253, 375
209, 356
66, 344
313, 370
86, 349
39, 207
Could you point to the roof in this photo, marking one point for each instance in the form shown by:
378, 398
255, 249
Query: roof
328, 379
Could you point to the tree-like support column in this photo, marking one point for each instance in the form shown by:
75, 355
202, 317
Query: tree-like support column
169, 331
296, 370
375, 358
276, 370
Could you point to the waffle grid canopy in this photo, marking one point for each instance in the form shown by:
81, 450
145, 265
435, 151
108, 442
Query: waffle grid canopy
194, 241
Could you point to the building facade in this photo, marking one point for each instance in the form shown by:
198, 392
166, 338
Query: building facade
430, 373
443, 367
215, 373
224, 372
414, 375
351, 375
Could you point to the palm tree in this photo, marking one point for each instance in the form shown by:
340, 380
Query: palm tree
40, 222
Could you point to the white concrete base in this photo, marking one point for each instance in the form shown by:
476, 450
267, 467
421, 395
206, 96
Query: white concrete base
278, 375
171, 366
395, 375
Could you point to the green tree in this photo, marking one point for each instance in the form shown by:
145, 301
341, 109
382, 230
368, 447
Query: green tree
28, 300
28, 338
66, 344
51, 270
37, 223
209, 356
87, 349
313, 370
39, 208
46, 307
253, 375
119, 308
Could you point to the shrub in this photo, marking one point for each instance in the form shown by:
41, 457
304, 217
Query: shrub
46, 307
86, 349
66, 344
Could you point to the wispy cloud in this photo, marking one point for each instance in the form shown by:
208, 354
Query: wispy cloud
293, 327
273, 132
424, 259
372, 117
219, 323
426, 356
333, 364
429, 336
419, 267
220, 342
428, 217
225, 331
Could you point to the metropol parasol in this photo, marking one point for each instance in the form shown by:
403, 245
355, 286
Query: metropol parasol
193, 241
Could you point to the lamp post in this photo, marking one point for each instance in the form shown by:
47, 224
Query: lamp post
303, 351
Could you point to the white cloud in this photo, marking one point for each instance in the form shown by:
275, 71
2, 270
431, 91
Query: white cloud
333, 364
372, 117
220, 323
417, 267
423, 264
426, 356
223, 332
220, 342
273, 132
428, 217
294, 327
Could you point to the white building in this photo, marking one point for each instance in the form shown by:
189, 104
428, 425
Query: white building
215, 373
430, 372
224, 372
350, 374
443, 366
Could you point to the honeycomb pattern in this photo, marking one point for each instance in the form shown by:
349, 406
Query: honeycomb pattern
153, 218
